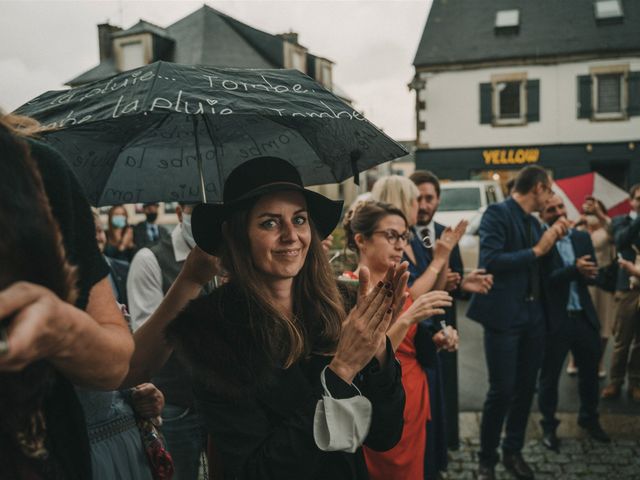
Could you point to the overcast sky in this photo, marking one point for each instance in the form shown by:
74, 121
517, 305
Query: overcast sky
45, 43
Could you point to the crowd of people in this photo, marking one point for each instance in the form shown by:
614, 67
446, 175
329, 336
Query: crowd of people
133, 352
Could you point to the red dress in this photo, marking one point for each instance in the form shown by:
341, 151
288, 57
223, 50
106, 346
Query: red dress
405, 461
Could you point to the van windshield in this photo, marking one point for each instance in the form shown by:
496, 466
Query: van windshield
458, 199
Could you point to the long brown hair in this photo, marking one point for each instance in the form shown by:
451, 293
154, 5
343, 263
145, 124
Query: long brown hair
317, 304
31, 250
21, 125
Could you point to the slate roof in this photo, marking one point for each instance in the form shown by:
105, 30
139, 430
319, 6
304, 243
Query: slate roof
142, 27
209, 37
462, 31
104, 69
206, 37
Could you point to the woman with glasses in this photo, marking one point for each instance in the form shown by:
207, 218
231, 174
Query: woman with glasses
428, 267
378, 233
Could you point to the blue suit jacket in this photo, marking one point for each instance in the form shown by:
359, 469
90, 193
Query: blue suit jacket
504, 252
558, 280
426, 350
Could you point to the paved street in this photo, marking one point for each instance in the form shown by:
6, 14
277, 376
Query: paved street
579, 458
472, 373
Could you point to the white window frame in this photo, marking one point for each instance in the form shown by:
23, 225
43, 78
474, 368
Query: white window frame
607, 15
139, 50
120, 43
623, 71
495, 99
507, 18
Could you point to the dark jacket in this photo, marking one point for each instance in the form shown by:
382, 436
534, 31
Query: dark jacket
559, 278
260, 417
626, 235
142, 240
506, 253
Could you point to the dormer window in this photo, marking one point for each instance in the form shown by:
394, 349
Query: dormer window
133, 51
132, 55
323, 72
605, 10
298, 60
295, 56
507, 21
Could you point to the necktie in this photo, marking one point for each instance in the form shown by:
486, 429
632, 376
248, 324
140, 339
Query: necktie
425, 236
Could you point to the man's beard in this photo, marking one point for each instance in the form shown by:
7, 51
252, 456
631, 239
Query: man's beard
421, 222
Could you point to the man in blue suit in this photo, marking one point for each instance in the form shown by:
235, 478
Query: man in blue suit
573, 325
445, 366
513, 317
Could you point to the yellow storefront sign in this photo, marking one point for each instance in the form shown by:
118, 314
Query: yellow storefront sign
511, 156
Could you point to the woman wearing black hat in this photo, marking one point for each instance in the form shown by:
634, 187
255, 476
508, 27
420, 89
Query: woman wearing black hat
289, 385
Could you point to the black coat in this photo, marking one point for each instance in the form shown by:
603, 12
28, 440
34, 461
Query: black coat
559, 283
259, 416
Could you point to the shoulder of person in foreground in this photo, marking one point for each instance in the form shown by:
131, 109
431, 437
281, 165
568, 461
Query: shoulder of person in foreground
214, 336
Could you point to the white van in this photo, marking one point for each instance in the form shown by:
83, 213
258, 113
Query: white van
467, 200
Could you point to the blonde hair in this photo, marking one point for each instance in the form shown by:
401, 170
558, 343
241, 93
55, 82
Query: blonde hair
397, 191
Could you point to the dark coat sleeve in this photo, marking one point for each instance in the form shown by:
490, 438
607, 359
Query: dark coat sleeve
626, 235
559, 273
493, 241
383, 386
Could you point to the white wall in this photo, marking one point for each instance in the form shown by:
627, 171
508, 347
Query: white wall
452, 111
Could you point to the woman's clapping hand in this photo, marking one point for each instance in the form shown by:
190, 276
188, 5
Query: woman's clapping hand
364, 331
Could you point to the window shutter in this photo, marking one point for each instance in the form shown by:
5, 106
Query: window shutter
486, 110
634, 94
533, 100
584, 96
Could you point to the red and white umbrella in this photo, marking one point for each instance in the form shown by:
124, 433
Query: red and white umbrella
574, 190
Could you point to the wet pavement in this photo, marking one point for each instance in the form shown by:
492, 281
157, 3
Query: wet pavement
579, 456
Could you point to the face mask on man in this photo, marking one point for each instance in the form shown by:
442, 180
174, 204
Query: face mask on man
119, 221
187, 233
152, 217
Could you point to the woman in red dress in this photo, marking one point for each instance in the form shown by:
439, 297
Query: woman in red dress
378, 232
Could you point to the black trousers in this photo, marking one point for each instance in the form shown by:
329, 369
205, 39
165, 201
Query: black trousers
513, 361
578, 335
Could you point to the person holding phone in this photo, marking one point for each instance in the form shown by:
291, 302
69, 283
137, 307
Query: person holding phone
596, 222
573, 325
625, 360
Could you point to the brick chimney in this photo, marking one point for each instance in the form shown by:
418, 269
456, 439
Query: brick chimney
104, 40
291, 37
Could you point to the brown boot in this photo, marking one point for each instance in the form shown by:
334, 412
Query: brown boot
611, 391
634, 393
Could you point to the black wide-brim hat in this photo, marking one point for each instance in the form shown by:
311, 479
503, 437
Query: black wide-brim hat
246, 183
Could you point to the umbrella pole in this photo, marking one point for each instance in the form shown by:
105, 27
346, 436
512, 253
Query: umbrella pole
199, 157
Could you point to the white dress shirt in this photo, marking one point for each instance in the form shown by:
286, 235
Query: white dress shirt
431, 228
144, 283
